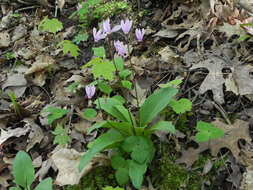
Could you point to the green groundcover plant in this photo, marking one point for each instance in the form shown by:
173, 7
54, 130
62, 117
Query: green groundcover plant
23, 172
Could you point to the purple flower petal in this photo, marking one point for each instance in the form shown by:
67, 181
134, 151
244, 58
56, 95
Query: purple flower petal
90, 91
126, 26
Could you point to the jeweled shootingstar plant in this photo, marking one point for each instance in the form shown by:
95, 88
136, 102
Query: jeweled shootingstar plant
107, 27
126, 25
90, 91
139, 34
98, 35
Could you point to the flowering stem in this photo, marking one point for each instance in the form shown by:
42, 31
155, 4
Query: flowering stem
111, 54
132, 67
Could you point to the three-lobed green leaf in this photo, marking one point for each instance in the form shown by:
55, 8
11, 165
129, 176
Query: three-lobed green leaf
181, 106
206, 131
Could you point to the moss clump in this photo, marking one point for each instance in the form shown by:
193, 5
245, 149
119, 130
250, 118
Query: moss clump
96, 179
167, 175
101, 11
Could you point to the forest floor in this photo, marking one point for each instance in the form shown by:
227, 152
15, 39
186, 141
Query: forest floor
205, 45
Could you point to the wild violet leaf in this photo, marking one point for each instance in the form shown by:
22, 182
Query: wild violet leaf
23, 170
155, 103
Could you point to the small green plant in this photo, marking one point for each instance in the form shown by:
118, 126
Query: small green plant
23, 172
53, 26
55, 113
50, 25
69, 47
61, 136
80, 38
15, 104
206, 131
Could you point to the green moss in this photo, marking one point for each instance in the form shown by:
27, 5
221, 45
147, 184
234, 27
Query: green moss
101, 11
167, 175
95, 180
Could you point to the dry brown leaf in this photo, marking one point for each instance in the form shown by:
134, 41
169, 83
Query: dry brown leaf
233, 133
4, 39
40, 69
5, 135
67, 161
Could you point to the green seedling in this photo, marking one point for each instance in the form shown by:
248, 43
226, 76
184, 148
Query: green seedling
15, 104
50, 25
69, 47
61, 136
206, 132
24, 174
55, 113
80, 38
89, 113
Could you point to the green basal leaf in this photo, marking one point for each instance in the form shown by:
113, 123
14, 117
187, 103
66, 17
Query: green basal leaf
121, 175
136, 172
180, 106
50, 25
128, 117
104, 69
108, 105
173, 83
102, 142
46, 184
55, 113
118, 162
119, 62
155, 103
104, 87
119, 98
162, 126
127, 84
89, 113
140, 155
97, 126
61, 137
23, 170
125, 73
99, 51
